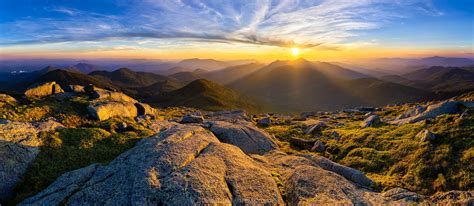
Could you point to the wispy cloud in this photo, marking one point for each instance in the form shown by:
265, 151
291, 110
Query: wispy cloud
305, 23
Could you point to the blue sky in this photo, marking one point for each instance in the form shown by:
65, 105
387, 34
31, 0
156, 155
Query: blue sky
31, 26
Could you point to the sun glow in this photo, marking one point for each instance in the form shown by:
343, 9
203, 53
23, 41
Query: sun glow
295, 51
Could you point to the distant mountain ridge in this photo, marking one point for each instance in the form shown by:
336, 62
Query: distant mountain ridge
302, 85
125, 77
204, 94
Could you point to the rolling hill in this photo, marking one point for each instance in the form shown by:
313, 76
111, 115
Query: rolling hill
204, 94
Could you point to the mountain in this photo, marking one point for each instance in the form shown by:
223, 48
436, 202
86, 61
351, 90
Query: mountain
153, 90
204, 94
401, 66
130, 79
175, 69
63, 77
444, 78
85, 68
185, 77
230, 74
208, 64
301, 86
18, 81
444, 61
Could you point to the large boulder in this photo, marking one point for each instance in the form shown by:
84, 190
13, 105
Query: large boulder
19, 146
6, 99
183, 165
425, 136
145, 109
432, 111
316, 128
301, 143
192, 118
74, 88
244, 135
43, 89
265, 122
105, 95
371, 121
228, 115
105, 110
318, 146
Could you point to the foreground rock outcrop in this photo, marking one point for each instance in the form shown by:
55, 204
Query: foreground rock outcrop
184, 165
189, 165
244, 135
19, 146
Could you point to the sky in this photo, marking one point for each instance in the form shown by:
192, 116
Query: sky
237, 29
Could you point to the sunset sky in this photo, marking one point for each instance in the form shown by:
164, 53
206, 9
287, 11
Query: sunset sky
224, 29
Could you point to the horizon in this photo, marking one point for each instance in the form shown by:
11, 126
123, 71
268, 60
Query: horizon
264, 31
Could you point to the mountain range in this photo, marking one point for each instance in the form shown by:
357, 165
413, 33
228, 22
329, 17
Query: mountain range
283, 86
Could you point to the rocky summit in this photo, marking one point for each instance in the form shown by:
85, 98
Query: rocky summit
83, 147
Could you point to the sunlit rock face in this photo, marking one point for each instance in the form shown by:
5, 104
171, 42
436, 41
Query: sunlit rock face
43, 89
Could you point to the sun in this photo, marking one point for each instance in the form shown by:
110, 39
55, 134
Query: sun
295, 51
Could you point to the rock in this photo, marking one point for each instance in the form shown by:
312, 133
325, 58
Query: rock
318, 147
105, 95
432, 111
43, 89
396, 194
228, 115
6, 99
301, 143
365, 109
453, 198
105, 110
316, 128
418, 109
315, 180
74, 88
19, 146
48, 125
187, 165
184, 165
192, 118
371, 121
335, 135
305, 115
244, 135
122, 126
265, 122
145, 109
89, 89
161, 125
425, 136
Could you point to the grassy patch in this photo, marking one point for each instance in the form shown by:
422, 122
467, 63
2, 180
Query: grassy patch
74, 148
393, 157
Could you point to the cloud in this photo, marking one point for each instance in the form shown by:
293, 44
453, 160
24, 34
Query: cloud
63, 10
284, 23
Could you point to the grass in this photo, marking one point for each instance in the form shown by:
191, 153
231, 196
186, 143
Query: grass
74, 148
392, 156
84, 142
